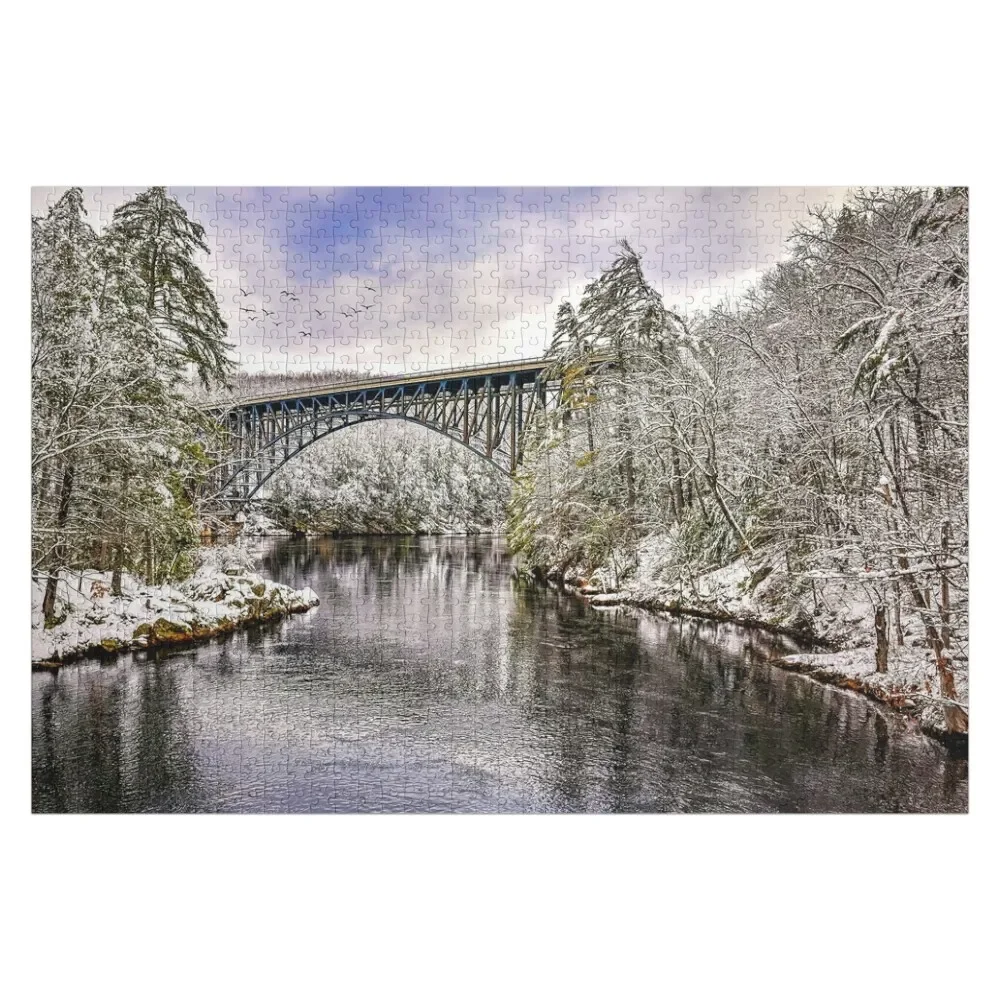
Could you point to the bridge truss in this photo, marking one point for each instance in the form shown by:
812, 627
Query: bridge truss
486, 408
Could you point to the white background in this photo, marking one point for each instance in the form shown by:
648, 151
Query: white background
550, 906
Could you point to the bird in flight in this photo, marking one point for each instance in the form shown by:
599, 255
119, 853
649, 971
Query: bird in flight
363, 306
243, 292
320, 313
267, 312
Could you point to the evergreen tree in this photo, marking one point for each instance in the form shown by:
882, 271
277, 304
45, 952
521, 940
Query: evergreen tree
112, 456
156, 233
620, 311
63, 288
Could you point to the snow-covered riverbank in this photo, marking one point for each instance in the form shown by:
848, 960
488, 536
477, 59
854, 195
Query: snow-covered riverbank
223, 594
759, 592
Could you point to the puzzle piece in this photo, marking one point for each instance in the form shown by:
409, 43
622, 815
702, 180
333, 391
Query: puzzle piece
425, 680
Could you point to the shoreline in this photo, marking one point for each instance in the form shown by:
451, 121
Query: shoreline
216, 600
167, 638
220, 599
837, 661
289, 533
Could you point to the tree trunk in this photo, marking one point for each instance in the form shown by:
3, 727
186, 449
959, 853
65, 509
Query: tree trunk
116, 572
713, 485
945, 587
49, 600
881, 641
678, 484
956, 718
119, 550
59, 554
898, 600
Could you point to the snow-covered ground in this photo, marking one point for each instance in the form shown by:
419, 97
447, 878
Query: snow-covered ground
257, 523
759, 591
909, 684
223, 594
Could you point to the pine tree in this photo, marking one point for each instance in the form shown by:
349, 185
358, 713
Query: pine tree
63, 287
620, 311
621, 314
112, 454
156, 233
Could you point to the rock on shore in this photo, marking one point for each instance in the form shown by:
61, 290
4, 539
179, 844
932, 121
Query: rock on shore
222, 595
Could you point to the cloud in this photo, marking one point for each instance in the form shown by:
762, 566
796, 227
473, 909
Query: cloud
390, 279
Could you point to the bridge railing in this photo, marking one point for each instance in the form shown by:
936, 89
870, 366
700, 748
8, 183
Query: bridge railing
382, 381
390, 380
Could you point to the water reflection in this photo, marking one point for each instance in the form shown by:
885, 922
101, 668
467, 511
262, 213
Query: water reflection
429, 681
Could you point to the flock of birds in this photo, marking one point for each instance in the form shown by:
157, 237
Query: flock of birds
287, 298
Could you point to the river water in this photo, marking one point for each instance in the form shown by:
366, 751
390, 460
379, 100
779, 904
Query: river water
429, 680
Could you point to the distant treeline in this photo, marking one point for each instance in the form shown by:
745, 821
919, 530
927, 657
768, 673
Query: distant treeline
387, 477
249, 385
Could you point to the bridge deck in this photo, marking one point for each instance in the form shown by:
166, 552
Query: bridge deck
398, 380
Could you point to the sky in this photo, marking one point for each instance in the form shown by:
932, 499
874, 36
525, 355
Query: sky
385, 280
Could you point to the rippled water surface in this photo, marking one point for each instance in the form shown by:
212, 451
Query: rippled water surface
429, 681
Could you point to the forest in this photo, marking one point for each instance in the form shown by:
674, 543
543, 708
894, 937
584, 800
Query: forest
122, 322
385, 478
817, 424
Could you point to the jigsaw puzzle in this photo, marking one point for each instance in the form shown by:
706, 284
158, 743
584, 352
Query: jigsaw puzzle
499, 499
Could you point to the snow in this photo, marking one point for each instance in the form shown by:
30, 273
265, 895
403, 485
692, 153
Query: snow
757, 590
258, 523
164, 494
223, 594
908, 684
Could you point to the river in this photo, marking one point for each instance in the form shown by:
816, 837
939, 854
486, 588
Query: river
428, 680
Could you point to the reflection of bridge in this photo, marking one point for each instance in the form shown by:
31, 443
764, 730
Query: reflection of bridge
486, 408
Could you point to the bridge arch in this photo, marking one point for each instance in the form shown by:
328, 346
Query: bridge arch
485, 408
286, 458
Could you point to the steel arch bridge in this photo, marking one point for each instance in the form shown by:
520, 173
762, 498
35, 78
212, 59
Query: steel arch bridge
486, 408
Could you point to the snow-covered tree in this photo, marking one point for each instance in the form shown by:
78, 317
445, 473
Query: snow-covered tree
113, 460
822, 418
158, 236
386, 477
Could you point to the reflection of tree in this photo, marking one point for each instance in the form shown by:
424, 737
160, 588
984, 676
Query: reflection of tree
47, 793
100, 739
97, 748
563, 642
624, 778
955, 772
424, 650
77, 745
881, 738
302, 560
165, 758
685, 711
